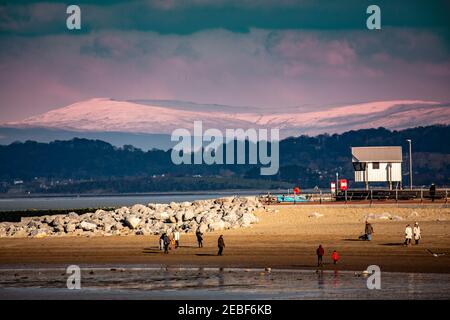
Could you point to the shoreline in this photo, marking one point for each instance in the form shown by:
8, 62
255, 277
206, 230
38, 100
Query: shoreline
285, 238
141, 251
138, 194
118, 268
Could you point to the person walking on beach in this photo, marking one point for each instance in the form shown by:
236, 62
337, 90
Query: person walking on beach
199, 235
408, 235
335, 257
176, 237
417, 234
166, 243
161, 242
368, 231
320, 252
221, 245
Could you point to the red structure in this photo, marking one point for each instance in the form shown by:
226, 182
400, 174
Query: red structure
343, 184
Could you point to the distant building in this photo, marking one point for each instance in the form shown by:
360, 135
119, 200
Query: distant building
377, 164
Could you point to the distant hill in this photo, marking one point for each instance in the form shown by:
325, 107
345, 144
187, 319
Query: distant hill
81, 165
163, 117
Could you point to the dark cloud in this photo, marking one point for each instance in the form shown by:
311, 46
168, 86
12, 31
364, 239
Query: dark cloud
186, 17
267, 54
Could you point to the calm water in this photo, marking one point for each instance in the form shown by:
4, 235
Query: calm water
13, 204
213, 283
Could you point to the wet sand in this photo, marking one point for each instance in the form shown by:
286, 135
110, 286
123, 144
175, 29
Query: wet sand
284, 239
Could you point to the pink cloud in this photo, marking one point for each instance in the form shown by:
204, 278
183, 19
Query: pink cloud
262, 68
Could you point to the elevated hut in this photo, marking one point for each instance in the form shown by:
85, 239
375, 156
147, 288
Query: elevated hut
377, 164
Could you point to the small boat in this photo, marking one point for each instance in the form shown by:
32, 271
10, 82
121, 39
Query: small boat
291, 198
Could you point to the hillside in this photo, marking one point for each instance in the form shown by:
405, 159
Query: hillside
81, 165
162, 117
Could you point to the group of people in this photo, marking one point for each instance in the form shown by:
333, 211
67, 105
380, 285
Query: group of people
368, 231
411, 232
321, 252
167, 242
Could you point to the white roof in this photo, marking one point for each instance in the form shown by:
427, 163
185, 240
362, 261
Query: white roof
377, 154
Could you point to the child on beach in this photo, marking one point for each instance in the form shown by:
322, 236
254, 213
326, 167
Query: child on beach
320, 252
335, 257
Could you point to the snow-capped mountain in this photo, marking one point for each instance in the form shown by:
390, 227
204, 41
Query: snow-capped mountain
107, 115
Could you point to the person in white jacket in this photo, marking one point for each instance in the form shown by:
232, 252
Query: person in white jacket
176, 237
417, 234
408, 235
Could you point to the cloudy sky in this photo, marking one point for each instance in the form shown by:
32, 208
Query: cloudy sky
264, 54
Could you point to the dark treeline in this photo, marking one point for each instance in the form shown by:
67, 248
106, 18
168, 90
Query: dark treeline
306, 161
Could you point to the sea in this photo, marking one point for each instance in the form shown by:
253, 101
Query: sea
112, 201
147, 283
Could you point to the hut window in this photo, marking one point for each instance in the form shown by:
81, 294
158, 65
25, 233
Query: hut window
376, 165
359, 166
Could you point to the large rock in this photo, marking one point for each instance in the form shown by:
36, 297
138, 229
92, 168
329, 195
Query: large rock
73, 215
88, 226
122, 211
188, 215
117, 226
57, 221
39, 233
34, 224
100, 213
174, 205
47, 219
173, 220
139, 209
216, 226
132, 221
206, 215
70, 227
232, 218
179, 216
247, 219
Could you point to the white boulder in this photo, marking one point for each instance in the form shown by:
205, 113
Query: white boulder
132, 221
88, 226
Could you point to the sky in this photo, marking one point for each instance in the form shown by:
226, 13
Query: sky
265, 54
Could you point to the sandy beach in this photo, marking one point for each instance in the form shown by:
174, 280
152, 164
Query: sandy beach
284, 238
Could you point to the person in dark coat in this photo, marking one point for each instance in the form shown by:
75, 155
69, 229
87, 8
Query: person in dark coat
368, 231
432, 191
221, 245
166, 243
320, 252
199, 235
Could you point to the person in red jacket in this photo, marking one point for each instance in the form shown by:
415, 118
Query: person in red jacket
335, 257
320, 252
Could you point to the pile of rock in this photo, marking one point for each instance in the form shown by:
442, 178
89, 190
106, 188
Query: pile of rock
383, 216
208, 215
